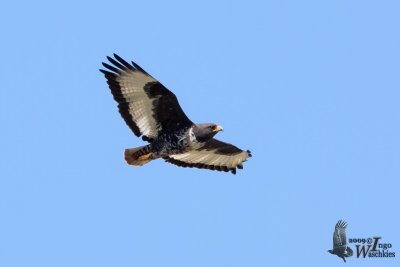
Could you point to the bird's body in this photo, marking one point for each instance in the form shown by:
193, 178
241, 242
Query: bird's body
173, 143
153, 112
176, 142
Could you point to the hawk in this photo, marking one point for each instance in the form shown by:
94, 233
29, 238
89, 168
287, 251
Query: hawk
153, 112
340, 247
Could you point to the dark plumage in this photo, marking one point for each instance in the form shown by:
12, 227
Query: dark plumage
153, 112
340, 247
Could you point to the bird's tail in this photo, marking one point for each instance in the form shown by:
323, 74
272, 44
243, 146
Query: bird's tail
138, 156
349, 252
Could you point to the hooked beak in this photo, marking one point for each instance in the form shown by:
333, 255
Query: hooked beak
218, 128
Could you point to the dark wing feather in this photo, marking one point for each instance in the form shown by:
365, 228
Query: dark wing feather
214, 155
339, 236
167, 110
143, 102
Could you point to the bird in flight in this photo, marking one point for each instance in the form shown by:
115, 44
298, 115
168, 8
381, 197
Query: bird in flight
153, 112
340, 247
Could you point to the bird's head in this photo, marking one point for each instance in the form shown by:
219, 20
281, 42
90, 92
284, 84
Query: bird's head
206, 131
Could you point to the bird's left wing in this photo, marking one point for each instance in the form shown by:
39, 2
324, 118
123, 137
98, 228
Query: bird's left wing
339, 236
144, 103
214, 155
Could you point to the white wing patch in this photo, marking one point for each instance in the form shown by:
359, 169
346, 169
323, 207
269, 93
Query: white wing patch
140, 106
209, 157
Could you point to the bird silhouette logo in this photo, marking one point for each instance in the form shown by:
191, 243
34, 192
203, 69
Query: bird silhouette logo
340, 247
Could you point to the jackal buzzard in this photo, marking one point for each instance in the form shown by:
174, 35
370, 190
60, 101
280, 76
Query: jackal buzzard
153, 112
340, 247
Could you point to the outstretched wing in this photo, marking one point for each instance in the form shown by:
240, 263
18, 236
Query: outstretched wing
214, 155
144, 103
339, 236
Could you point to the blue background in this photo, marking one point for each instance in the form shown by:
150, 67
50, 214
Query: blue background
311, 87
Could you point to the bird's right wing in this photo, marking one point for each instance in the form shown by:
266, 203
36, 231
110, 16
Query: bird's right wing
214, 155
145, 104
339, 236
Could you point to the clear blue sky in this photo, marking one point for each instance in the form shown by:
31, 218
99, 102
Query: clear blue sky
312, 88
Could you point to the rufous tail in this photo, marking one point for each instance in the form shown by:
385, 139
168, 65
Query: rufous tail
138, 156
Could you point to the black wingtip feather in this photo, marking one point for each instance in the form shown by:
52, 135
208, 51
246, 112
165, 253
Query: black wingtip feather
123, 62
104, 72
112, 68
139, 68
249, 152
116, 63
341, 224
